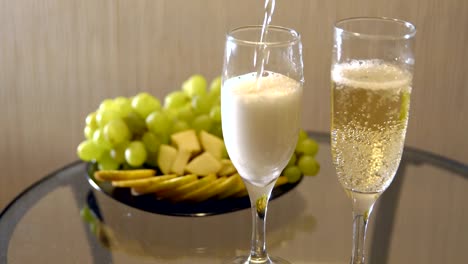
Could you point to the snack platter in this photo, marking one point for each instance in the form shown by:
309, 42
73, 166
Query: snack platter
152, 204
168, 155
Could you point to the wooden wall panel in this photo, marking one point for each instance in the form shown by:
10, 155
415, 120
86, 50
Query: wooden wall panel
60, 58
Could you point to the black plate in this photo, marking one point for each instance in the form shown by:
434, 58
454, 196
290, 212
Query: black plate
151, 204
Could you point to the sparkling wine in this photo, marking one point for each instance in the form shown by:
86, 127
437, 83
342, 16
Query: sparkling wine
370, 103
262, 123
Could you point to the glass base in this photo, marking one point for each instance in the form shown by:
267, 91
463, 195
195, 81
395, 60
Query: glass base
246, 260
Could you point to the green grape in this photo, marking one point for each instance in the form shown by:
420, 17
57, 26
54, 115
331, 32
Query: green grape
307, 146
215, 113
216, 101
100, 139
202, 104
88, 150
405, 103
126, 166
158, 123
123, 106
178, 126
302, 135
151, 142
176, 100
135, 154
217, 130
152, 159
91, 120
106, 105
88, 132
135, 123
293, 174
104, 116
118, 152
171, 114
165, 139
195, 86
185, 113
308, 165
106, 162
215, 86
225, 154
116, 132
144, 104
202, 122
215, 91
292, 160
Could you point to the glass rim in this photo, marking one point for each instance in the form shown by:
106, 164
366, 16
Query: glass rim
410, 28
295, 36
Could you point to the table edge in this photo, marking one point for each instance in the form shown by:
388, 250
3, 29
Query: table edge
37, 183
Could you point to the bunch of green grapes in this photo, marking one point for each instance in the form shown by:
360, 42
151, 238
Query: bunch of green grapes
303, 160
127, 132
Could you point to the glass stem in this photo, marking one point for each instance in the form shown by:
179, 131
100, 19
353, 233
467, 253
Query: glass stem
362, 209
259, 197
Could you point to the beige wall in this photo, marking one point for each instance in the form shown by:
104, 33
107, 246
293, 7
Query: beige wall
60, 58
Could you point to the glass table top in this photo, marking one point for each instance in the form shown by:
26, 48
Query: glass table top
421, 218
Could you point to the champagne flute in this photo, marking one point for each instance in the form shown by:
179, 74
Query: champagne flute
371, 77
260, 105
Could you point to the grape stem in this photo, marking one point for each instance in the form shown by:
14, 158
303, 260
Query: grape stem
259, 196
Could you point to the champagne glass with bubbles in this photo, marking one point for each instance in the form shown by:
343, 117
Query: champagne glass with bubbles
260, 105
371, 75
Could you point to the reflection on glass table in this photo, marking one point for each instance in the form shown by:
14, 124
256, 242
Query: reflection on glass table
61, 219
